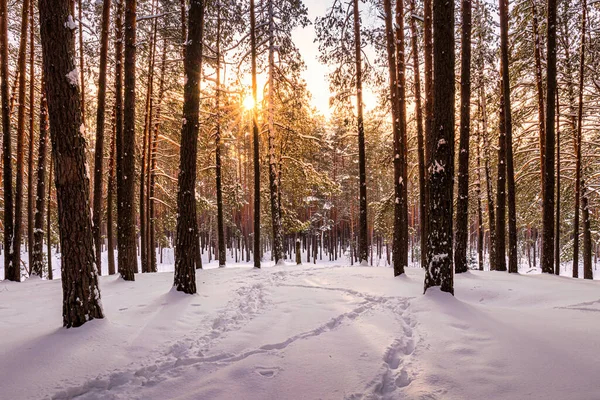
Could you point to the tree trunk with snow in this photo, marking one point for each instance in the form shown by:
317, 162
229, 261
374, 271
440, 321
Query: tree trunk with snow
439, 270
185, 271
81, 294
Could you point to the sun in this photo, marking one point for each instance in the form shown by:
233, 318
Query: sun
248, 103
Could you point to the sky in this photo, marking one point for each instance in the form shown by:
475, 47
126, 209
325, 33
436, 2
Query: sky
316, 73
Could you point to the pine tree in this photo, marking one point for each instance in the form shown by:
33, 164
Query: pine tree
185, 274
462, 201
81, 294
439, 270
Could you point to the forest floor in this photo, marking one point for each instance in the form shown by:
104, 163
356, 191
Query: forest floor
320, 331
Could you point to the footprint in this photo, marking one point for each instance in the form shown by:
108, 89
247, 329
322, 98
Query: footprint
267, 372
403, 380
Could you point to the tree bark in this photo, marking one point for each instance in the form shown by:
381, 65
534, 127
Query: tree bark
462, 200
420, 138
21, 64
119, 122
220, 223
109, 199
557, 234
127, 235
548, 201
31, 151
81, 294
10, 272
185, 274
439, 270
99, 151
537, 52
255, 141
500, 264
363, 242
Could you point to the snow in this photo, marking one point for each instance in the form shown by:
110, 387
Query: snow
325, 330
73, 77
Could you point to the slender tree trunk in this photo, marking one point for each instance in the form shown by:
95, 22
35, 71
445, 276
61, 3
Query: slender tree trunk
220, 224
273, 187
109, 199
500, 251
30, 190
185, 274
400, 151
420, 138
153, 157
255, 141
119, 122
462, 201
21, 64
391, 52
480, 228
537, 51
548, 201
48, 220
10, 272
362, 174
99, 151
40, 196
439, 270
81, 294
127, 235
557, 234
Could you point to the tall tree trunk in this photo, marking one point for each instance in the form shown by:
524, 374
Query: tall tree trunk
462, 200
580, 189
21, 64
81, 294
500, 264
400, 157
127, 241
548, 201
40, 196
30, 190
557, 234
480, 228
439, 270
428, 86
273, 187
420, 138
99, 151
537, 52
153, 158
395, 104
10, 272
109, 198
363, 242
220, 224
119, 121
48, 221
255, 141
185, 274
510, 173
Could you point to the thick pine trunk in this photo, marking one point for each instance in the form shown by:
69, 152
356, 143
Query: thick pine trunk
363, 242
439, 270
99, 151
185, 274
557, 227
548, 201
110, 199
127, 235
81, 294
462, 201
119, 121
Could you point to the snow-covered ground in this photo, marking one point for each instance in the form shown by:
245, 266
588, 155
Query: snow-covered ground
320, 331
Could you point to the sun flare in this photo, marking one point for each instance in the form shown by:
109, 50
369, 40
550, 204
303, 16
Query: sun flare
248, 103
